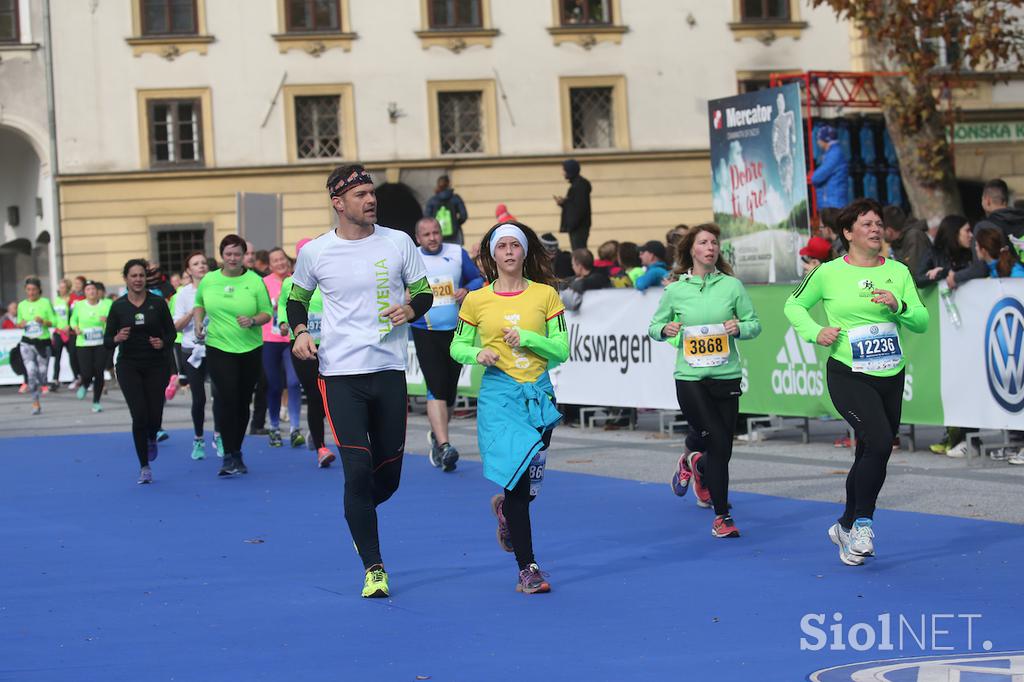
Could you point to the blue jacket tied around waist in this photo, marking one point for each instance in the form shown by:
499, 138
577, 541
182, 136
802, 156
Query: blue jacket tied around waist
511, 417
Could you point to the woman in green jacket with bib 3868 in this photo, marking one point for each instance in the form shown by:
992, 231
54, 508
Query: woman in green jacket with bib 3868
703, 314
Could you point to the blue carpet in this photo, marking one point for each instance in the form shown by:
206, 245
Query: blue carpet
102, 579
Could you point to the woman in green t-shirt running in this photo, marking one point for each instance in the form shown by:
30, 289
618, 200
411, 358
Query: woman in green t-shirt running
36, 318
237, 304
88, 320
867, 299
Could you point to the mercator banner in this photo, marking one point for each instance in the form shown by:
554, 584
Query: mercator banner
758, 180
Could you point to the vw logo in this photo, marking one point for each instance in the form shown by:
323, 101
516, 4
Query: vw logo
1004, 354
874, 330
703, 330
996, 667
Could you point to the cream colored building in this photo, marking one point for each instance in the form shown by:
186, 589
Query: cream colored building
27, 206
648, 66
168, 110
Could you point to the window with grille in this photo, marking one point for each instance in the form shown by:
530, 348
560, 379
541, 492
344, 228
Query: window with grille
312, 15
593, 125
174, 243
765, 10
174, 132
461, 122
586, 12
318, 127
449, 14
168, 17
9, 30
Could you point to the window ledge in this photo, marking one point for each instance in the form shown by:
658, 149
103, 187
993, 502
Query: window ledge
457, 40
17, 50
767, 32
588, 35
315, 43
169, 47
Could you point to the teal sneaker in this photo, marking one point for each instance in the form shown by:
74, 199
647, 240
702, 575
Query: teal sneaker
198, 449
96, 407
80, 393
218, 443
862, 538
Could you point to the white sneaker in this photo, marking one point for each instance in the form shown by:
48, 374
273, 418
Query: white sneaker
841, 538
958, 451
861, 538
1015, 455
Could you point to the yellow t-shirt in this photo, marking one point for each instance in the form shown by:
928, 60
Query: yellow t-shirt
529, 309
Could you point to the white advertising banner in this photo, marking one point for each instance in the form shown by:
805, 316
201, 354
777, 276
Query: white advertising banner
983, 357
9, 339
612, 360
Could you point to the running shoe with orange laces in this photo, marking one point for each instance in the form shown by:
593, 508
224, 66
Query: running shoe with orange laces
699, 489
324, 457
724, 527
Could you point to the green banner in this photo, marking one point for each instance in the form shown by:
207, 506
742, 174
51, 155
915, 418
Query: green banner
785, 375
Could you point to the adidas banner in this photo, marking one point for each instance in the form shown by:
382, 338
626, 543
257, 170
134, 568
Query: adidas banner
613, 362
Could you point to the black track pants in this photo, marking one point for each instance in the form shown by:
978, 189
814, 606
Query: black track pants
872, 406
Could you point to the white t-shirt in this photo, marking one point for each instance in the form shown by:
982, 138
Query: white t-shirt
184, 302
359, 279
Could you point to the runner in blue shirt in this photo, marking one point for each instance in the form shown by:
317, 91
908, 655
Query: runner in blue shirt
452, 274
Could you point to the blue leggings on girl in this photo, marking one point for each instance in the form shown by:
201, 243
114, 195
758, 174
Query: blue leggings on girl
277, 363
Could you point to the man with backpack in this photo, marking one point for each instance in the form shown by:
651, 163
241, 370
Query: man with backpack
448, 209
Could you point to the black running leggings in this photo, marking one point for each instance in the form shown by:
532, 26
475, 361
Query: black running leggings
711, 406
93, 360
308, 371
234, 376
143, 388
516, 509
872, 406
59, 344
196, 377
367, 414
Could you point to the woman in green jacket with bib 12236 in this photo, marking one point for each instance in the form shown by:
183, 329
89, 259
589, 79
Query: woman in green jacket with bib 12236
703, 314
867, 300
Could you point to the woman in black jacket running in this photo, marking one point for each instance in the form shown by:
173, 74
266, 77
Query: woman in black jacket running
140, 324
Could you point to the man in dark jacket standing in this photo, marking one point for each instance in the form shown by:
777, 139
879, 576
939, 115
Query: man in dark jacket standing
995, 201
587, 278
908, 238
448, 209
575, 206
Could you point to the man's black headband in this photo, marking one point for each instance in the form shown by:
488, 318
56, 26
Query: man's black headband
342, 185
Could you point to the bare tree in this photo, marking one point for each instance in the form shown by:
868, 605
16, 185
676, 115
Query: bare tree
935, 43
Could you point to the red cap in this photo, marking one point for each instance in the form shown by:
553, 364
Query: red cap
817, 248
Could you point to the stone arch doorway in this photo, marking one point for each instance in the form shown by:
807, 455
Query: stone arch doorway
398, 208
25, 246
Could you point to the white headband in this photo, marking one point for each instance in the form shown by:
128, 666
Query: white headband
509, 230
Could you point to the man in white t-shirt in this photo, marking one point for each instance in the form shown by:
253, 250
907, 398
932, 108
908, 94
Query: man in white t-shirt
363, 271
